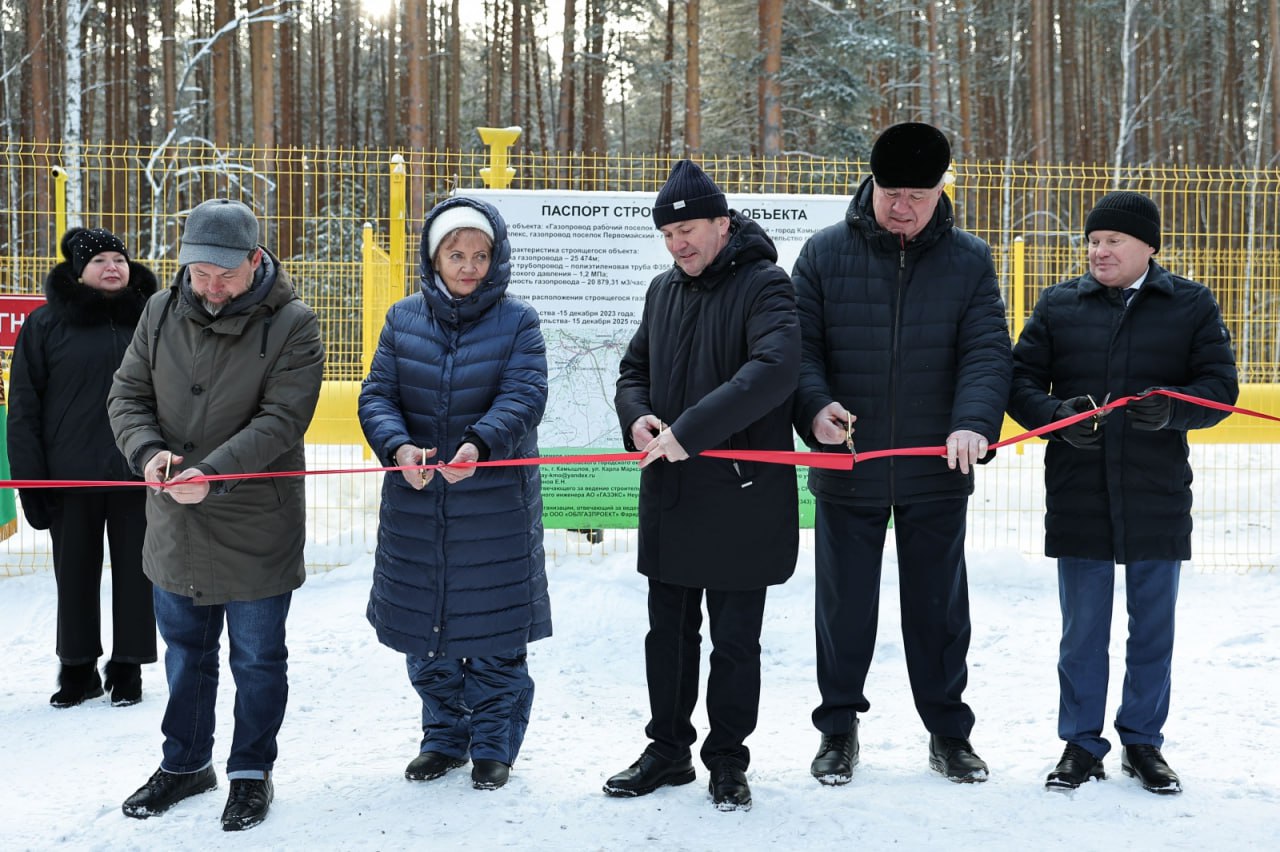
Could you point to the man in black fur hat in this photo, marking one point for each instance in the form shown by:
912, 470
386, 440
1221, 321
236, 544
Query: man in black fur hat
904, 334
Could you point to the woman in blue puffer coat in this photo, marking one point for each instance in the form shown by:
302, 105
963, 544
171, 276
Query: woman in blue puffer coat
459, 585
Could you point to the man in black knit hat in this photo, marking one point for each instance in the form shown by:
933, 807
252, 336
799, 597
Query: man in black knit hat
1118, 487
904, 335
712, 367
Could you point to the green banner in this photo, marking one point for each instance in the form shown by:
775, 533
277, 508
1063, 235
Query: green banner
603, 495
8, 505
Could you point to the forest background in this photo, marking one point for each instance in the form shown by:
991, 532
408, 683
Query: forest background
1119, 82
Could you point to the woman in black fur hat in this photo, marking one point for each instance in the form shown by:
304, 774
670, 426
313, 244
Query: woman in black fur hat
63, 363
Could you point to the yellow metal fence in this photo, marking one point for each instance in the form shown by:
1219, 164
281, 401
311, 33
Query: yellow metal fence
346, 222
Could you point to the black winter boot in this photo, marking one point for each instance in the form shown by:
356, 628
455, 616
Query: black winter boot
123, 681
76, 684
954, 757
248, 803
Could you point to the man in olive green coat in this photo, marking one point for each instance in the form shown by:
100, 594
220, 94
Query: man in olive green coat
221, 378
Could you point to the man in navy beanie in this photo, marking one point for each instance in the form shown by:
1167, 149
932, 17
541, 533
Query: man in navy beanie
1118, 487
712, 366
904, 336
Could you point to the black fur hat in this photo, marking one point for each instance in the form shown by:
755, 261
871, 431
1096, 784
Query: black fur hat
911, 155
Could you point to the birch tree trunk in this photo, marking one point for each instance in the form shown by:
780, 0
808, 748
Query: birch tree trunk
1128, 94
72, 116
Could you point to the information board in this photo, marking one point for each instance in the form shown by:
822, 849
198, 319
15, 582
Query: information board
584, 260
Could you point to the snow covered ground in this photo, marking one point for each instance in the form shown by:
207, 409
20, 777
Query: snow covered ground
352, 725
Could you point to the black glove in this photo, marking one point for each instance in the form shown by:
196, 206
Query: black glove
34, 507
1085, 434
1149, 413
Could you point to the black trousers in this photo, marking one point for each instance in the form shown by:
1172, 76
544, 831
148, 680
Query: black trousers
934, 596
672, 651
77, 521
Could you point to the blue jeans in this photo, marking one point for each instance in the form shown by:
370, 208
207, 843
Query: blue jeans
478, 706
259, 665
1085, 593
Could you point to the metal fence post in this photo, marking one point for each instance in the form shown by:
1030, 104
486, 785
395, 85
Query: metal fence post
398, 218
59, 205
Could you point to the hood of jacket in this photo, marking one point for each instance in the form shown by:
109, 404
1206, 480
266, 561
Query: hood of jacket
80, 304
490, 291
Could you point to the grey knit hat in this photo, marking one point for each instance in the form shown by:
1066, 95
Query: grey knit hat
688, 194
1129, 213
219, 231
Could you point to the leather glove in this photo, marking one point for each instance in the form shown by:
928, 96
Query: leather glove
35, 508
1149, 413
1084, 435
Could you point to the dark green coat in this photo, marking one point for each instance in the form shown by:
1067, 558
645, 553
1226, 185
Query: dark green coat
234, 394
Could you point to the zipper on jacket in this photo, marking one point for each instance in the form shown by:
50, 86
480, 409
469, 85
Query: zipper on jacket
896, 349
266, 327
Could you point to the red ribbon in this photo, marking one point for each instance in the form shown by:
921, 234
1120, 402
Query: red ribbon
828, 461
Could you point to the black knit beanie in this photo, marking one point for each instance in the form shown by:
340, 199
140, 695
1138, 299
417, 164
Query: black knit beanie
688, 194
1129, 213
79, 245
910, 156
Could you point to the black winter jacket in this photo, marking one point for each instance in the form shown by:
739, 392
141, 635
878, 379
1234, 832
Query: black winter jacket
1132, 499
716, 357
63, 362
911, 339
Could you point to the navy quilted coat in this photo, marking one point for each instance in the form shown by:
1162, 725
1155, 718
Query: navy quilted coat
910, 339
1131, 500
459, 569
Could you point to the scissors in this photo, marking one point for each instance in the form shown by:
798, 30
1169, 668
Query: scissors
848, 436
1098, 415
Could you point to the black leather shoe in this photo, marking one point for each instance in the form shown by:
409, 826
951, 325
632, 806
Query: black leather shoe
76, 685
837, 755
1147, 764
648, 774
430, 765
728, 788
954, 758
247, 803
1076, 767
165, 789
489, 774
123, 681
